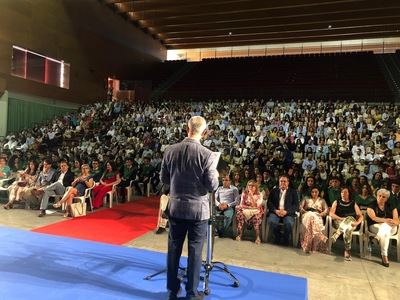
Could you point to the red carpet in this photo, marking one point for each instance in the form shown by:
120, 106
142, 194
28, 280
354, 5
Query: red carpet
117, 225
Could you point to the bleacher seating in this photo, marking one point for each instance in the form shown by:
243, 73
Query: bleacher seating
344, 76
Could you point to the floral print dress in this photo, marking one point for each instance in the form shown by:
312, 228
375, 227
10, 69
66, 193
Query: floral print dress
312, 236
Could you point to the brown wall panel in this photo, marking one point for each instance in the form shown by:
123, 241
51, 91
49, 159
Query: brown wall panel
86, 34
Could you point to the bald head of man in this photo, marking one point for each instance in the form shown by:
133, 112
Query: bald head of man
197, 125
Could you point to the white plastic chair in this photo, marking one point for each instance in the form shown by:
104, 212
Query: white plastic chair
86, 196
129, 192
356, 233
148, 188
6, 181
110, 195
395, 237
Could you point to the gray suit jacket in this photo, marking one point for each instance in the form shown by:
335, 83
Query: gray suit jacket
186, 168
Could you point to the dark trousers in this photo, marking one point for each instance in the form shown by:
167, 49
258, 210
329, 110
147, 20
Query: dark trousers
274, 223
137, 187
197, 232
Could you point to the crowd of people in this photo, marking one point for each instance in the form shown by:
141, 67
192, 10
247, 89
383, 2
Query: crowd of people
312, 158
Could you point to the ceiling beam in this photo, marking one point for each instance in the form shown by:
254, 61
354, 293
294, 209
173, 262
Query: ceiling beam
395, 24
283, 40
282, 16
199, 23
191, 8
265, 27
286, 33
110, 2
232, 11
167, 6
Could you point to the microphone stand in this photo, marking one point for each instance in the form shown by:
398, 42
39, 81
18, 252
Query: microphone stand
209, 264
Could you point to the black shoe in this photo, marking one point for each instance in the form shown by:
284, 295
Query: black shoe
8, 206
160, 230
42, 213
385, 264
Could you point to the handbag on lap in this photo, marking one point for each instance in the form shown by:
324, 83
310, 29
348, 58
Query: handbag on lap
250, 212
22, 183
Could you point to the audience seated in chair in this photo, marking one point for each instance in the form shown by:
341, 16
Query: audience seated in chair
110, 177
76, 168
250, 210
226, 198
25, 181
33, 195
60, 181
394, 198
145, 174
251, 138
333, 191
282, 204
5, 171
312, 212
346, 216
365, 198
383, 221
128, 173
78, 188
97, 171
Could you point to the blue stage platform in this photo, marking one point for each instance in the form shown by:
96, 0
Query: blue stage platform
38, 266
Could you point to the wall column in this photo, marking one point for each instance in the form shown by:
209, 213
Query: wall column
3, 113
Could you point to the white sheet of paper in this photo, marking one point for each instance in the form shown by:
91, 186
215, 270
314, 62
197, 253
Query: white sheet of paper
215, 159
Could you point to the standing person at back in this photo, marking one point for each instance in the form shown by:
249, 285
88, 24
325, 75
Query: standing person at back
187, 168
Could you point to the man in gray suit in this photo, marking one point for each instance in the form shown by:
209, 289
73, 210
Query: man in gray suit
189, 170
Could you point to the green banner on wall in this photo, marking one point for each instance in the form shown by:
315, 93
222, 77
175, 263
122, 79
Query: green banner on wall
25, 111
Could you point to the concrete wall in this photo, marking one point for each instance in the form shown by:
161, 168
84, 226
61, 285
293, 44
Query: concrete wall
85, 33
3, 113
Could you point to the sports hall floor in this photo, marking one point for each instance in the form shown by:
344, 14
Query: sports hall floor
329, 276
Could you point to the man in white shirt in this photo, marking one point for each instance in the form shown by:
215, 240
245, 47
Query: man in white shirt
358, 156
61, 179
283, 202
226, 198
11, 144
357, 147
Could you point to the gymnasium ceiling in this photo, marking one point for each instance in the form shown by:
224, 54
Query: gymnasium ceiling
185, 24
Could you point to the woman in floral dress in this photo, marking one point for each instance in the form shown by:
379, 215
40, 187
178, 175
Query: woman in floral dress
313, 210
250, 210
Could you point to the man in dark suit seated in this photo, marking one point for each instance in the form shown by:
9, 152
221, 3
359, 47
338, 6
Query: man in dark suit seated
394, 198
283, 202
189, 170
60, 181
